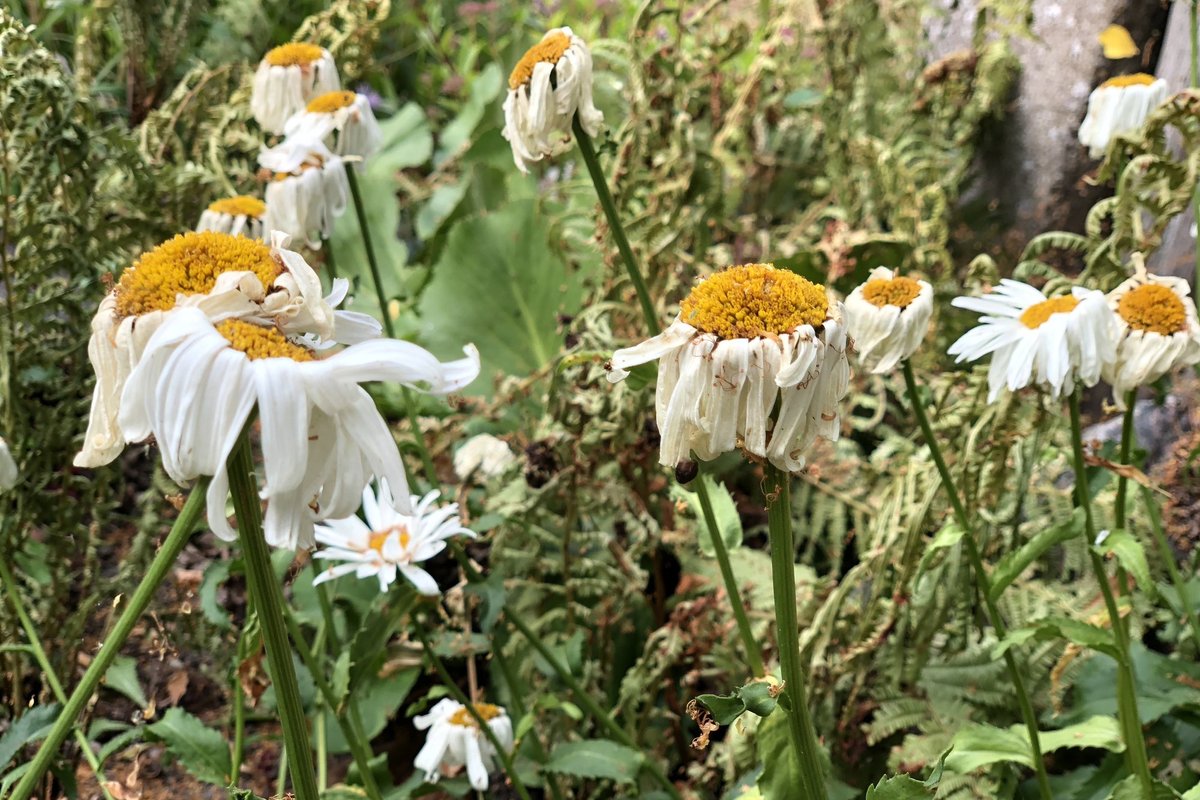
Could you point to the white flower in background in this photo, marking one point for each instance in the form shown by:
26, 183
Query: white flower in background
221, 275
322, 438
308, 191
389, 540
551, 82
455, 740
8, 467
887, 318
745, 339
1119, 105
483, 453
1156, 331
287, 78
342, 119
240, 216
1054, 342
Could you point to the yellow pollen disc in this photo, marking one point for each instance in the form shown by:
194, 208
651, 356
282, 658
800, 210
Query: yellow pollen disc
549, 50
1038, 313
463, 718
259, 342
1153, 307
331, 101
296, 54
754, 300
899, 292
1122, 81
241, 206
379, 537
189, 264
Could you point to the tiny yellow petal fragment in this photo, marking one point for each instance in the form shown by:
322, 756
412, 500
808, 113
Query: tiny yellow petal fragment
1117, 43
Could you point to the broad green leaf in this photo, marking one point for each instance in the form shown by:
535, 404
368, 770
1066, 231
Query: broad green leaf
1080, 633
484, 89
32, 726
438, 207
1015, 562
595, 758
899, 787
1130, 555
754, 697
1193, 793
1098, 731
977, 746
724, 510
1131, 789
122, 677
378, 700
407, 141
215, 574
378, 189
492, 592
201, 750
781, 772
1163, 684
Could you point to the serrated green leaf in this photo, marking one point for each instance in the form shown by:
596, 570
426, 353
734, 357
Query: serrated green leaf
899, 787
728, 521
201, 750
595, 758
1080, 633
977, 746
754, 697
1016, 561
32, 726
1130, 555
122, 677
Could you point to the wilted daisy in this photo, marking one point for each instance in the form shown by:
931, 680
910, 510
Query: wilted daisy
1119, 105
887, 318
287, 78
1156, 331
483, 453
745, 339
342, 119
1055, 342
8, 467
549, 85
307, 193
219, 274
241, 216
389, 540
455, 740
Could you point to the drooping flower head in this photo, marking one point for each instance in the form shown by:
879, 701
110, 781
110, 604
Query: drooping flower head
1053, 342
241, 216
1156, 331
747, 338
342, 119
549, 85
1119, 105
389, 540
288, 77
887, 318
307, 192
455, 740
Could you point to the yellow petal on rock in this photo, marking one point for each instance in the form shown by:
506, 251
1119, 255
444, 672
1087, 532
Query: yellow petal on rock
1117, 43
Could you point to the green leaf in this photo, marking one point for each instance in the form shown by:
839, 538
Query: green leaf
1131, 789
781, 773
899, 787
977, 746
754, 697
378, 188
339, 684
32, 726
1130, 555
484, 89
595, 758
378, 700
438, 208
1098, 731
1074, 631
215, 574
724, 510
1163, 684
1016, 561
492, 592
201, 750
122, 677
407, 141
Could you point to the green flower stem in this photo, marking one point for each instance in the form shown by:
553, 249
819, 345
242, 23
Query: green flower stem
614, 224
982, 582
783, 579
516, 692
1127, 710
1120, 517
753, 653
457, 693
239, 730
39, 654
1168, 557
330, 262
268, 601
164, 559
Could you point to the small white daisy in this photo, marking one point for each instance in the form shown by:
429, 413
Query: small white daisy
239, 216
483, 453
1156, 332
455, 740
287, 78
887, 318
342, 119
389, 540
550, 84
8, 467
1119, 105
1054, 342
308, 191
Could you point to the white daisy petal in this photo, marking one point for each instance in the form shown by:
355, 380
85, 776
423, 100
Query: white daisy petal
1119, 105
1156, 331
455, 741
287, 78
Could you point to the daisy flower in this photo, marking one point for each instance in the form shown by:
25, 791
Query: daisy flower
483, 453
1156, 331
1119, 105
746, 339
389, 540
550, 84
1055, 342
455, 740
308, 191
342, 118
887, 318
287, 78
8, 467
240, 215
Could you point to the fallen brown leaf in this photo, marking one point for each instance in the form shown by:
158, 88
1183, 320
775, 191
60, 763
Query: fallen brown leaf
177, 685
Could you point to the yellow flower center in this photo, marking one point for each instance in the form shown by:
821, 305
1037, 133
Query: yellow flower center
240, 206
1122, 81
331, 101
1038, 313
899, 291
189, 264
295, 54
754, 300
379, 537
1153, 307
548, 51
463, 717
257, 341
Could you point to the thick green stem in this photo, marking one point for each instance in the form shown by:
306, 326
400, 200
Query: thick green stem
1168, 557
982, 582
163, 561
753, 654
783, 575
614, 224
376, 277
268, 601
1127, 436
1127, 710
